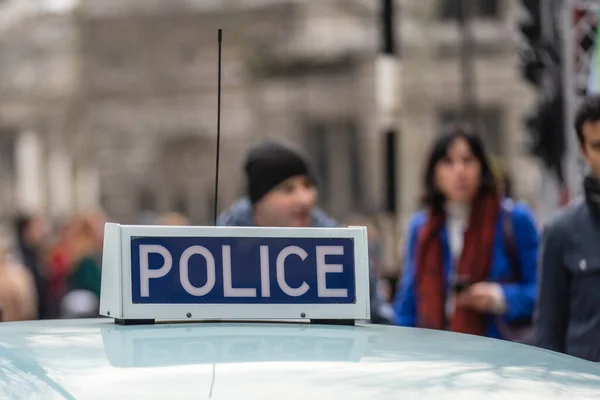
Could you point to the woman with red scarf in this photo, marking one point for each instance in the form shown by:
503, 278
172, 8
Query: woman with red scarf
460, 273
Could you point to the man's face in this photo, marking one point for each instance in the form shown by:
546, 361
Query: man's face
36, 230
591, 146
289, 204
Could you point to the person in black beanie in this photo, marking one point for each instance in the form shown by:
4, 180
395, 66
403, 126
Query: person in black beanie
29, 233
282, 191
567, 318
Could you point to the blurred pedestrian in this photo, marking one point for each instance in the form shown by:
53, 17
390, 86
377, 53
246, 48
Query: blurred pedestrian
18, 297
59, 264
568, 310
282, 192
86, 253
460, 273
30, 230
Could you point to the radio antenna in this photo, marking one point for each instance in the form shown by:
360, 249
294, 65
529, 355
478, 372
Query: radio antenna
220, 39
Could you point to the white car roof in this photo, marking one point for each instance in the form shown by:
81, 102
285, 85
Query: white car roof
96, 359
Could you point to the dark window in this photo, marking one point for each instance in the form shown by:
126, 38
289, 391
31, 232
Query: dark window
390, 170
483, 9
318, 148
146, 200
489, 9
335, 148
492, 126
355, 169
9, 148
447, 9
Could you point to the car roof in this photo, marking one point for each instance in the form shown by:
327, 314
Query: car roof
96, 359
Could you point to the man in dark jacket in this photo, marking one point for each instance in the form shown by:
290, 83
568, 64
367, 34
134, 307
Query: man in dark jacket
568, 309
282, 192
29, 232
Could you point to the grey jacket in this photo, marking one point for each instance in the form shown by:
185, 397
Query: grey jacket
567, 318
240, 214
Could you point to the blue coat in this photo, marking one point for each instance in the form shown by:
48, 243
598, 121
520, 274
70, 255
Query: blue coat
520, 297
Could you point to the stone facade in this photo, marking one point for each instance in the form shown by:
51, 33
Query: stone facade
38, 90
126, 91
151, 96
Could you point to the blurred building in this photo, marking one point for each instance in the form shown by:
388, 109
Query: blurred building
119, 98
38, 94
291, 69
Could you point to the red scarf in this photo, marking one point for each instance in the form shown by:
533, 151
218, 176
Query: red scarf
474, 262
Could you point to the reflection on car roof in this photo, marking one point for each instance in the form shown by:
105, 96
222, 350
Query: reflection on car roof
96, 359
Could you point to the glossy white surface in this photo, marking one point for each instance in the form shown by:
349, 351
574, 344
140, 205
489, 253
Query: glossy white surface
95, 359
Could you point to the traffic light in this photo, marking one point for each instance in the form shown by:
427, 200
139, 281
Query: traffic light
540, 64
545, 124
530, 41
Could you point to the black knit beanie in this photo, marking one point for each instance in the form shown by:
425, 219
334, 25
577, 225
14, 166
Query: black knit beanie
270, 163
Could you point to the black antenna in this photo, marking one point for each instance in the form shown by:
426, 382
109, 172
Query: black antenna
220, 37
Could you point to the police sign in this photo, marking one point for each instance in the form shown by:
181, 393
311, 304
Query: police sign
155, 272
242, 270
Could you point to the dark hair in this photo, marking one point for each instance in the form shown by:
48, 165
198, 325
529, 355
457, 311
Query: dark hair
21, 223
432, 197
508, 186
588, 111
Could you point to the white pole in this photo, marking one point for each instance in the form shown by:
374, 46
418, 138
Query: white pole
28, 153
387, 71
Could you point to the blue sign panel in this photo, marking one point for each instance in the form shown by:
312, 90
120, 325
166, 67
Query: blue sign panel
242, 270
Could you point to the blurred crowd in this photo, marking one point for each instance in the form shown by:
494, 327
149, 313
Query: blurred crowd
53, 271
474, 259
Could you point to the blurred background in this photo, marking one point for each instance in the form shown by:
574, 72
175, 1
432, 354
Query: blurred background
111, 105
